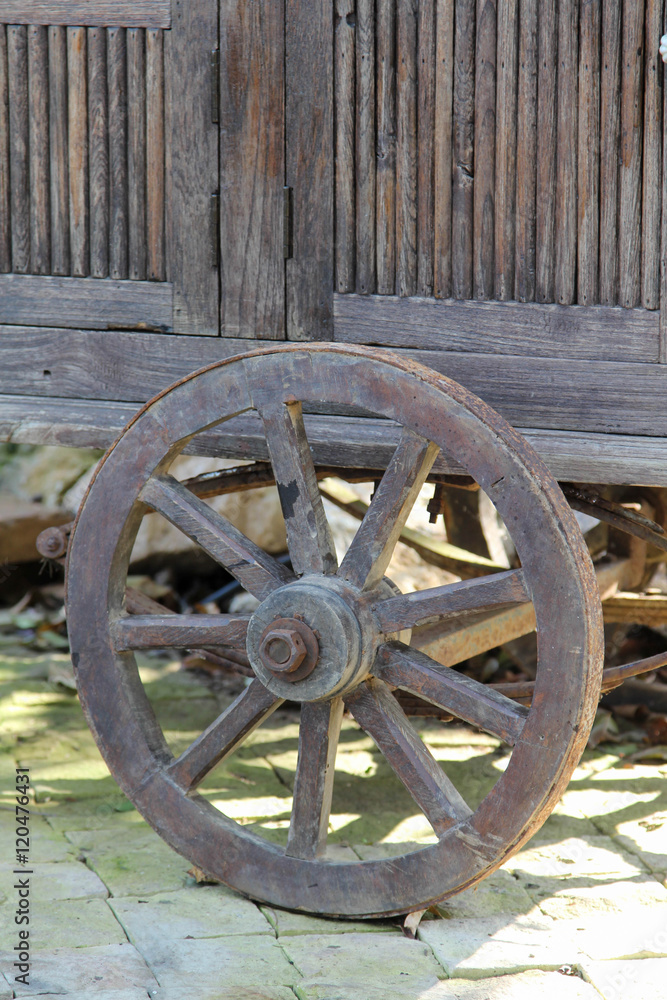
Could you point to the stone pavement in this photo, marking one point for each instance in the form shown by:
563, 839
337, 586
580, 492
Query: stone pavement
580, 913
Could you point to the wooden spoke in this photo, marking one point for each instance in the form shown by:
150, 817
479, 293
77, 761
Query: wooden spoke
179, 631
313, 785
222, 737
487, 593
377, 711
309, 539
464, 697
369, 554
256, 571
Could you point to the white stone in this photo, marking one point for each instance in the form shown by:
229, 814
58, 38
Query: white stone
92, 972
643, 979
60, 880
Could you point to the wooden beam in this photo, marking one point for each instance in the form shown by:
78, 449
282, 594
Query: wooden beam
88, 13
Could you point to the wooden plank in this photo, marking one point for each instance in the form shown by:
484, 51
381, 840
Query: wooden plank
252, 165
588, 166
118, 186
444, 80
541, 330
463, 149
545, 211
98, 129
426, 47
191, 166
385, 213
630, 204
155, 149
40, 210
84, 302
58, 114
506, 117
84, 13
19, 147
610, 117
343, 441
5, 229
309, 167
365, 146
77, 131
136, 152
406, 148
526, 152
566, 155
485, 151
663, 235
652, 160
344, 60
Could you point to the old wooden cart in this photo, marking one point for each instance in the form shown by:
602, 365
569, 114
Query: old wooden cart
479, 186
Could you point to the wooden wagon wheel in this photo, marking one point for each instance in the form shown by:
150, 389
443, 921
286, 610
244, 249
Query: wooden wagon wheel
328, 635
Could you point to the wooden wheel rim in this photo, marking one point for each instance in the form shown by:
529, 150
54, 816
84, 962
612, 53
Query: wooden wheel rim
543, 529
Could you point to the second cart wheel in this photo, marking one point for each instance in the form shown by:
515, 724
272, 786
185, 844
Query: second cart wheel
328, 635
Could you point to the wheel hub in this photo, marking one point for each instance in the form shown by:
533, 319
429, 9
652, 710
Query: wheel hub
312, 640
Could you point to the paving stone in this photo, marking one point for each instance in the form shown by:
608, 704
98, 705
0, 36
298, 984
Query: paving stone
640, 932
647, 838
473, 948
196, 912
203, 966
642, 979
355, 958
288, 924
71, 780
88, 971
569, 901
134, 865
531, 985
223, 992
580, 856
128, 993
60, 880
45, 843
70, 923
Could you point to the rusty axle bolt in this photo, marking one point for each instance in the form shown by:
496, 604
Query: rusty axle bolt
52, 542
288, 649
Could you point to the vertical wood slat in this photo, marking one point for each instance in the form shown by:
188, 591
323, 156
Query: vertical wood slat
385, 214
588, 166
545, 222
345, 225
566, 154
463, 149
118, 189
526, 175
662, 356
629, 228
652, 161
506, 118
309, 168
610, 118
365, 147
58, 115
40, 212
406, 150
155, 146
98, 123
444, 73
136, 152
78, 151
485, 151
426, 42
5, 231
17, 57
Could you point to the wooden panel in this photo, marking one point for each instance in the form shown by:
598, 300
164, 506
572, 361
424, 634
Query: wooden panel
598, 458
426, 124
442, 199
155, 148
406, 148
632, 81
551, 331
526, 174
610, 117
309, 167
84, 302
136, 152
252, 169
588, 167
566, 153
485, 151
365, 146
17, 52
40, 209
344, 58
506, 111
98, 130
463, 149
191, 166
131, 13
545, 211
5, 233
652, 160
78, 151
118, 189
